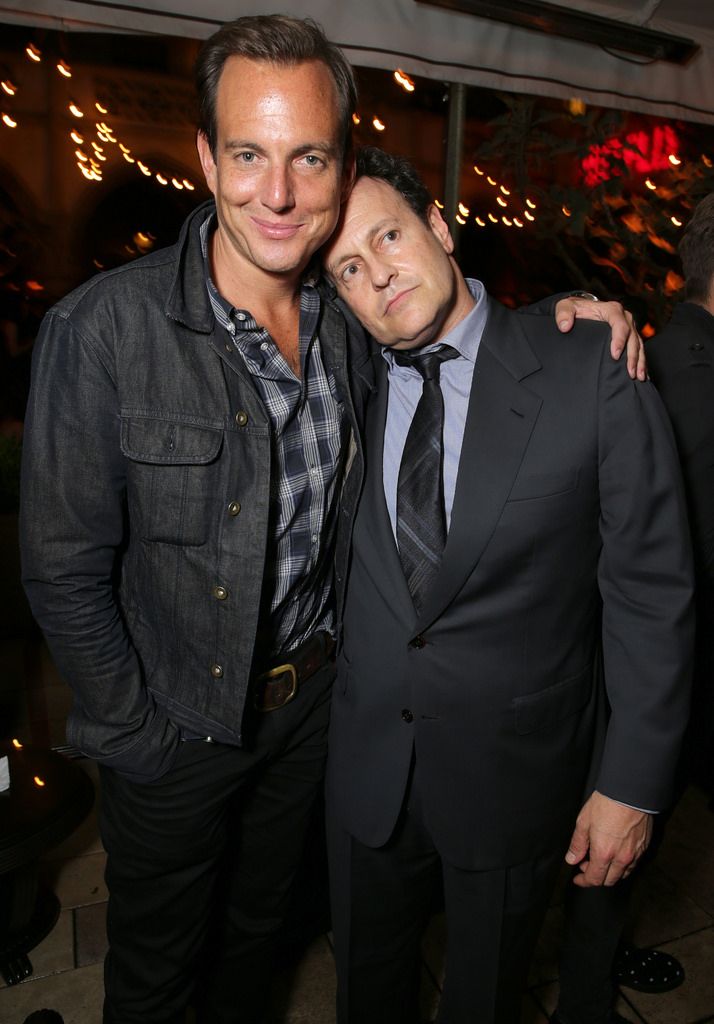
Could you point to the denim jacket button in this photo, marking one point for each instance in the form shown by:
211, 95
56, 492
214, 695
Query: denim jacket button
220, 593
241, 418
234, 508
217, 671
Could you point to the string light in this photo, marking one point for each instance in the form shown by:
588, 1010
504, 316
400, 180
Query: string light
528, 216
531, 205
7, 120
16, 744
677, 223
439, 205
463, 210
505, 190
501, 201
187, 185
161, 179
100, 108
491, 181
38, 781
379, 125
8, 87
459, 219
507, 222
74, 110
356, 119
404, 80
650, 185
33, 52
517, 222
494, 220
64, 69
478, 171
177, 184
566, 211
481, 223
674, 160
143, 168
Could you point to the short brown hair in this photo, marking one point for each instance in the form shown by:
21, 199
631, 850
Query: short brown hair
696, 251
277, 39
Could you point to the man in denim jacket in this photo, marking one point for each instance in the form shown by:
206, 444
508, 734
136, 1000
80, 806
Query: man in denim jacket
190, 424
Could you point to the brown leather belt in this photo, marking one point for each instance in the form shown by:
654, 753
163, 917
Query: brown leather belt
277, 686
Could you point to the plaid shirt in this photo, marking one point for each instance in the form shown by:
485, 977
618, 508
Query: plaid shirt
306, 426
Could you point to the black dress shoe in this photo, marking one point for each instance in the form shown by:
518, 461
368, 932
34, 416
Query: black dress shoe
646, 970
614, 1018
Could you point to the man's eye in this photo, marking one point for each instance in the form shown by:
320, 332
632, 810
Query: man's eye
391, 236
312, 160
349, 271
246, 158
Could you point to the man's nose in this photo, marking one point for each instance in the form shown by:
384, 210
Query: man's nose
278, 192
381, 274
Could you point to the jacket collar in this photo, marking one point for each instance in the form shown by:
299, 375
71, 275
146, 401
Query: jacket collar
188, 301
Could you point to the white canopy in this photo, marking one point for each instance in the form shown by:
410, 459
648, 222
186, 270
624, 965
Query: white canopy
448, 46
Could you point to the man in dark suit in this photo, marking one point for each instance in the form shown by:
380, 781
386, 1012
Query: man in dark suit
467, 719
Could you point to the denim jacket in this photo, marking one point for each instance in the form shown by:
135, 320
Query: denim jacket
145, 498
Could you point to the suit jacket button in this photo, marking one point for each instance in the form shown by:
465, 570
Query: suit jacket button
217, 671
418, 642
407, 716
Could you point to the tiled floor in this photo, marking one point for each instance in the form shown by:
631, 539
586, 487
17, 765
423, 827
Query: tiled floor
675, 904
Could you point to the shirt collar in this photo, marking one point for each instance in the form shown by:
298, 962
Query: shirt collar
466, 336
241, 318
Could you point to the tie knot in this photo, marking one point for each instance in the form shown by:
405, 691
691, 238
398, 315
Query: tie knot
427, 363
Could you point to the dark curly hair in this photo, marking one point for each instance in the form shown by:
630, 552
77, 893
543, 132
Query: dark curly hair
397, 172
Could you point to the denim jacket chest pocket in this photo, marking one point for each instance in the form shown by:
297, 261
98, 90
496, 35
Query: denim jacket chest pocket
172, 476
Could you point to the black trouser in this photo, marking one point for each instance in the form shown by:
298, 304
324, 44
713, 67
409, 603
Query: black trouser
381, 899
200, 866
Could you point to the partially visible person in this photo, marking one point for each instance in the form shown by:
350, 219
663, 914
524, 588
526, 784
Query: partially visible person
680, 358
521, 531
681, 363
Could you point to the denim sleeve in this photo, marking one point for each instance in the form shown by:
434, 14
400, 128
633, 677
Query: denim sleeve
72, 531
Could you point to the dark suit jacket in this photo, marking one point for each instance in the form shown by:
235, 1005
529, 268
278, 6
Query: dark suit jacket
567, 535
681, 361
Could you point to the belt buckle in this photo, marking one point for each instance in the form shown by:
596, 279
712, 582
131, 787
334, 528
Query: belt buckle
265, 678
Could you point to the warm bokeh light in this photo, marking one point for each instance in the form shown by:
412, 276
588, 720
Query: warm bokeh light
6, 119
404, 80
38, 781
16, 744
64, 69
379, 125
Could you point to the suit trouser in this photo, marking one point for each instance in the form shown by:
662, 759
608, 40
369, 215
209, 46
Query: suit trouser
381, 902
594, 919
200, 867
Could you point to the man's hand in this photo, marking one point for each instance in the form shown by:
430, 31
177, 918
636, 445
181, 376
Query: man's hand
622, 325
608, 840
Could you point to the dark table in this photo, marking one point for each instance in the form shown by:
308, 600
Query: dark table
49, 796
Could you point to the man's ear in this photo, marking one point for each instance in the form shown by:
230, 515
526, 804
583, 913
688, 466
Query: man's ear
349, 171
208, 164
440, 228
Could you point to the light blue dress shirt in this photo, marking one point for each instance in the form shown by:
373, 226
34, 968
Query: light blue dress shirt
405, 386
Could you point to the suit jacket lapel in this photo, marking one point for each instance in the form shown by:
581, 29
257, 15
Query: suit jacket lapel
501, 416
373, 530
